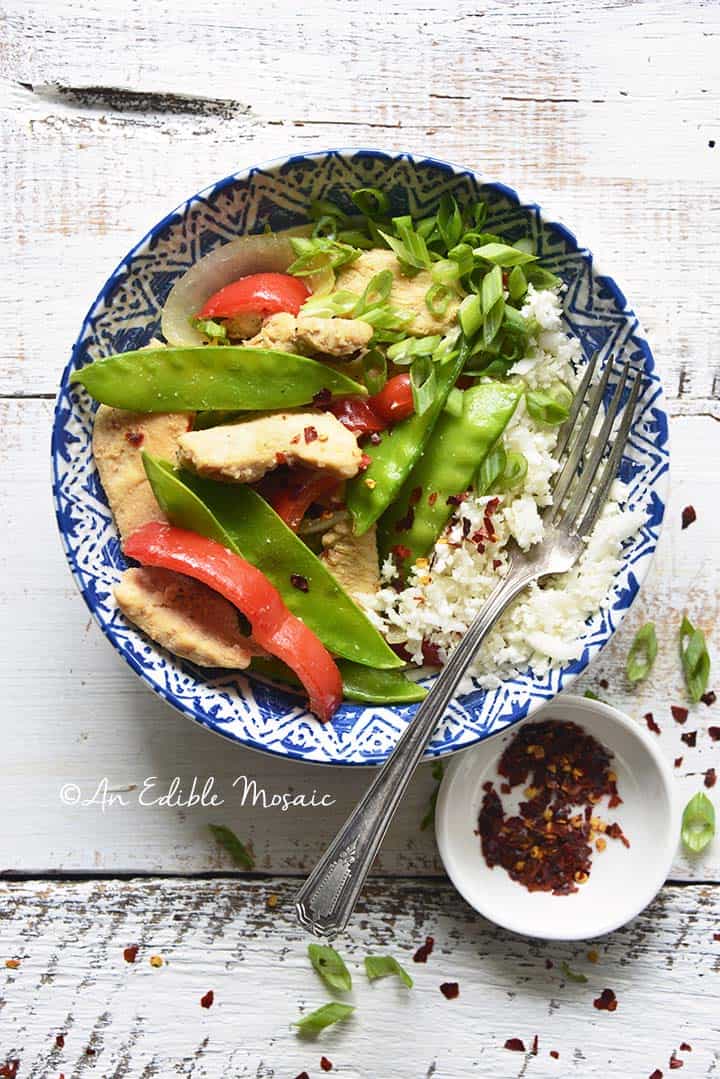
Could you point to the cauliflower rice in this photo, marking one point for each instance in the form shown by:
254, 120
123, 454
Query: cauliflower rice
444, 593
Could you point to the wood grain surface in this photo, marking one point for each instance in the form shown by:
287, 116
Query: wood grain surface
110, 115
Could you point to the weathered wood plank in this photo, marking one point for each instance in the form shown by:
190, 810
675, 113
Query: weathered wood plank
141, 1021
73, 713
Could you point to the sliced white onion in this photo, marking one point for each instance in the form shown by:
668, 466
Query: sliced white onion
246, 255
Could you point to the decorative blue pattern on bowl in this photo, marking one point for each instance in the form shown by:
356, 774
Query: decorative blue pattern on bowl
126, 315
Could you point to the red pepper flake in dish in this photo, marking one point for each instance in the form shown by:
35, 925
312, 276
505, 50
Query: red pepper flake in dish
322, 397
678, 761
556, 1056
310, 434
130, 954
709, 698
207, 1000
674, 1063
497, 563
679, 714
298, 581
431, 654
450, 990
515, 1045
400, 551
547, 846
689, 738
365, 463
135, 438
710, 778
325, 1064
652, 725
606, 1002
280, 459
432, 498
714, 733
689, 516
455, 500
421, 955
685, 1048
405, 523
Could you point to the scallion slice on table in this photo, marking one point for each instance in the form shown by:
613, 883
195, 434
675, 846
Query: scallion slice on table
330, 966
381, 966
695, 659
324, 1017
698, 823
235, 847
642, 653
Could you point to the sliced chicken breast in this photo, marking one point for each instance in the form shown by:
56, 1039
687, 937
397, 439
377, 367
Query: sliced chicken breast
352, 560
339, 338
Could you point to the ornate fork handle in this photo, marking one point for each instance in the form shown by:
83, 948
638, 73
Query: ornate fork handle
328, 896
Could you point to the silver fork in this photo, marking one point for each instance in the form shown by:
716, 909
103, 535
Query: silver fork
328, 897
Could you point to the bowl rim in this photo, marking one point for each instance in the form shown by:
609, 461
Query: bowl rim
609, 715
273, 164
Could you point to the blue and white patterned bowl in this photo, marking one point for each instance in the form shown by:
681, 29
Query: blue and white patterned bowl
126, 315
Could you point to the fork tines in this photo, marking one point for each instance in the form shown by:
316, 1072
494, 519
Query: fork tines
584, 471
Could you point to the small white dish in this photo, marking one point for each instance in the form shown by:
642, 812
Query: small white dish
622, 881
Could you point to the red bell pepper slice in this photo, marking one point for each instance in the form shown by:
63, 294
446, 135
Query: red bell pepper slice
292, 494
395, 400
274, 627
257, 294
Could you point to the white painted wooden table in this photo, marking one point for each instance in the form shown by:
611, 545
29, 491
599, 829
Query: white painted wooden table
607, 113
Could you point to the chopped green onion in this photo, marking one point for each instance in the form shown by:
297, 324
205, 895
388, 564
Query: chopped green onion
325, 208
517, 284
446, 272
438, 770
423, 383
493, 303
479, 212
330, 966
437, 299
526, 245
356, 238
427, 228
470, 315
376, 293
314, 254
698, 823
541, 278
406, 351
642, 653
454, 402
235, 848
516, 468
491, 469
503, 255
380, 966
374, 367
695, 659
571, 975
370, 201
477, 239
449, 221
462, 254
326, 226
549, 406
216, 332
384, 317
338, 304
447, 349
409, 247
324, 1017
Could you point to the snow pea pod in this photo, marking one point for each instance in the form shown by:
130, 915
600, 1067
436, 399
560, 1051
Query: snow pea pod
372, 491
359, 683
210, 377
238, 518
458, 445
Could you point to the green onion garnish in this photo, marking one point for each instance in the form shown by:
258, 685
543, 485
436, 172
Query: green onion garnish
549, 406
324, 1017
470, 315
316, 253
491, 469
376, 293
462, 254
371, 201
404, 352
541, 278
517, 284
503, 255
374, 365
235, 848
695, 659
642, 653
437, 299
216, 332
325, 208
516, 467
698, 823
449, 221
330, 966
423, 383
338, 304
380, 966
493, 304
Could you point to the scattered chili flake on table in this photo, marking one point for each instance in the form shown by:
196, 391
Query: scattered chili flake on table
652, 725
547, 845
689, 738
12, 964
657, 1074
207, 1000
534, 1049
689, 516
714, 733
710, 778
716, 936
130, 954
325, 1064
156, 960
709, 698
554, 1054
450, 990
9, 1070
678, 761
606, 1002
303, 1075
679, 714
421, 955
515, 1045
60, 1041
675, 1063
298, 581
549, 964
272, 901
685, 1048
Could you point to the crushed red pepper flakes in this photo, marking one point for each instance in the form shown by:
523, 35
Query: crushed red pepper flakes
652, 725
547, 846
606, 1002
604, 684
716, 936
450, 990
12, 964
534, 1049
90, 1052
207, 1000
657, 1074
130, 954
714, 733
554, 1054
310, 434
280, 459
303, 1075
404, 524
674, 1063
298, 581
432, 498
709, 698
365, 463
421, 955
679, 714
9, 1070
134, 438
710, 778
685, 1048
549, 964
515, 1045
678, 761
401, 551
689, 738
60, 1041
325, 1064
689, 516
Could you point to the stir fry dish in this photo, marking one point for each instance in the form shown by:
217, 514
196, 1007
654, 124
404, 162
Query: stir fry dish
318, 468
